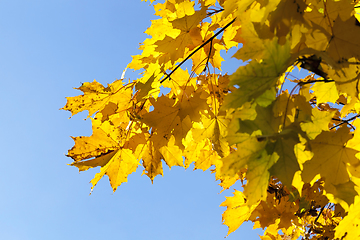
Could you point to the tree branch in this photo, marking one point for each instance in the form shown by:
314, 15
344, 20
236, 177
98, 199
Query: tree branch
345, 121
314, 81
197, 49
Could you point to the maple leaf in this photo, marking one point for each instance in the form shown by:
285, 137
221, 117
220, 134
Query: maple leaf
237, 211
172, 153
248, 149
335, 34
148, 88
325, 92
199, 152
168, 116
105, 145
151, 160
213, 128
187, 24
331, 159
209, 53
119, 166
319, 122
349, 226
287, 164
254, 47
287, 14
105, 138
96, 98
292, 150
256, 77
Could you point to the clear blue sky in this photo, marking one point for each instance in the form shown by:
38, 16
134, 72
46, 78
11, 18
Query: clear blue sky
46, 49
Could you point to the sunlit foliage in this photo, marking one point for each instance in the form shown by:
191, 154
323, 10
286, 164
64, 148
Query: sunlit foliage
296, 151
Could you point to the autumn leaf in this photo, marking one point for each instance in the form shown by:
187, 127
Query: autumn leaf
237, 211
290, 141
96, 98
325, 92
256, 77
319, 122
103, 140
287, 164
331, 160
187, 24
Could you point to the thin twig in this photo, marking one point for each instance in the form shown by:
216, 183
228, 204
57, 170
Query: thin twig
345, 121
208, 58
197, 49
314, 81
214, 12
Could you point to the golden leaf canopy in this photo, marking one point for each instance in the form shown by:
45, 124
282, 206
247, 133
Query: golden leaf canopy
291, 142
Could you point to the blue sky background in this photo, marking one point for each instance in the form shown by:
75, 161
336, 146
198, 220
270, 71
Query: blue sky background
46, 49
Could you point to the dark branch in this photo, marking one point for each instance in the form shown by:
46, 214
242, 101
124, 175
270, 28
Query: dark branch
197, 49
314, 81
214, 12
208, 58
345, 121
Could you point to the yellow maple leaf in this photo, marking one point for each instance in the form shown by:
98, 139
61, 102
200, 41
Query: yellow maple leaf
215, 129
172, 154
325, 92
349, 227
120, 165
253, 45
287, 164
331, 160
149, 88
187, 23
319, 122
209, 53
151, 160
255, 78
104, 138
247, 150
199, 152
96, 98
237, 212
286, 15
339, 39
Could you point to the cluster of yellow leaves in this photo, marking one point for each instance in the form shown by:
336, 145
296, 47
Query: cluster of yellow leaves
297, 154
